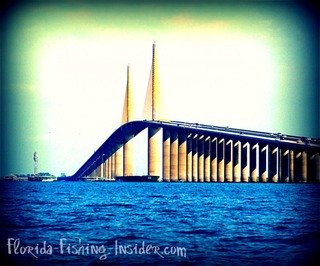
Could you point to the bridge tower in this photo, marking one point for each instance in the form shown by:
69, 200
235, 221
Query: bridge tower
152, 106
152, 111
127, 116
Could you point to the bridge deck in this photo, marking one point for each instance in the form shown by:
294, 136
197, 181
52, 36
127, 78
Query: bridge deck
127, 131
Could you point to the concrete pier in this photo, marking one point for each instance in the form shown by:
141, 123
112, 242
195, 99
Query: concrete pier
274, 165
254, 163
195, 158
304, 167
214, 160
189, 157
221, 160
110, 168
119, 162
291, 166
101, 170
174, 151
104, 169
182, 156
207, 161
264, 164
245, 162
229, 161
154, 168
298, 166
166, 155
201, 159
128, 159
237, 162
113, 165
285, 166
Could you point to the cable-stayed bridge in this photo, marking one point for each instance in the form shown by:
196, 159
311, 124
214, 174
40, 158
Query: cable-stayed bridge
192, 152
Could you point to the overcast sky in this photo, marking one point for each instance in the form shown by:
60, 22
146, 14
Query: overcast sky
252, 65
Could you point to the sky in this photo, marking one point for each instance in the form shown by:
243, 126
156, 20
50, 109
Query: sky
250, 65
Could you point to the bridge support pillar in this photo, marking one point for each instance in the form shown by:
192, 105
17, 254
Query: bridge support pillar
291, 166
104, 168
195, 158
298, 166
304, 166
237, 162
201, 159
275, 165
174, 156
245, 162
94, 173
166, 155
106, 165
109, 167
101, 170
98, 171
113, 165
264, 163
182, 156
214, 160
254, 163
207, 146
153, 153
285, 166
119, 162
229, 161
189, 158
127, 159
221, 160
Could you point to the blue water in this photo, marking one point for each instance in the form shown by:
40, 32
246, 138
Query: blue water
214, 224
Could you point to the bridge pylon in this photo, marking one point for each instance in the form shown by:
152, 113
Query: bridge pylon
152, 111
127, 116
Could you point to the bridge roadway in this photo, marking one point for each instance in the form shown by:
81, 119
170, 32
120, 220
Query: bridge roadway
129, 130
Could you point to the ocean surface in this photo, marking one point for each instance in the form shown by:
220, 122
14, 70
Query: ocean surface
118, 223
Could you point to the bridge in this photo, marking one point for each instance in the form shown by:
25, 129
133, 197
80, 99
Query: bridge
192, 152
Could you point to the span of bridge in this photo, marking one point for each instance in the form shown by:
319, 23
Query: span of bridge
228, 154
192, 152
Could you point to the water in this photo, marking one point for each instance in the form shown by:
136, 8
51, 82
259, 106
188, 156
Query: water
213, 224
